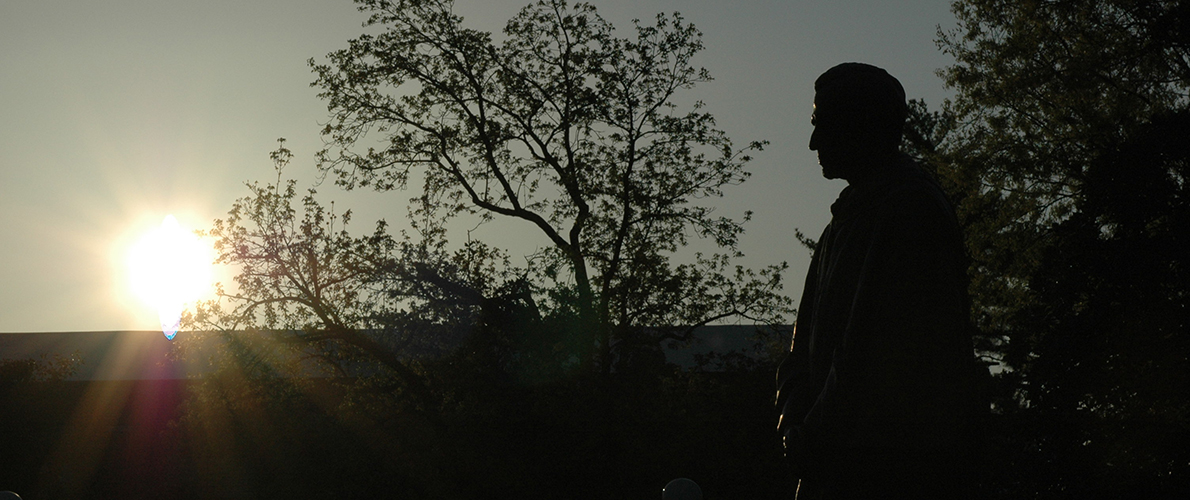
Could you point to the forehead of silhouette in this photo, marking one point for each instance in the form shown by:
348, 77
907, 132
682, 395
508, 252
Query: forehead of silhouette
859, 93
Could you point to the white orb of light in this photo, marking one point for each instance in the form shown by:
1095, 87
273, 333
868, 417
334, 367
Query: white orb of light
169, 268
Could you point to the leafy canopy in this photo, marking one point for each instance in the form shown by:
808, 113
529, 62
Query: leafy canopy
567, 129
1065, 146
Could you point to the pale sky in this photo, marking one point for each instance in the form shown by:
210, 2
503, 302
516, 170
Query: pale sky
114, 114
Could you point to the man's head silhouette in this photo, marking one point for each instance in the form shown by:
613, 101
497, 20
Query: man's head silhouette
859, 114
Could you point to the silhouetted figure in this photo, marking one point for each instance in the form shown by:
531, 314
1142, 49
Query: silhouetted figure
876, 392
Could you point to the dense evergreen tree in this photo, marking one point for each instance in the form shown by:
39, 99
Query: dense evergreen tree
1065, 148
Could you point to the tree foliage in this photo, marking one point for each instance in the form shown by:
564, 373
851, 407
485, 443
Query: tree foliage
1065, 149
569, 131
329, 303
462, 366
42, 369
1045, 88
440, 374
463, 370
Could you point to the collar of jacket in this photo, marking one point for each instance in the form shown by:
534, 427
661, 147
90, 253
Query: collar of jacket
869, 189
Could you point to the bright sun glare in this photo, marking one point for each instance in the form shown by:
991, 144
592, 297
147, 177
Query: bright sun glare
169, 268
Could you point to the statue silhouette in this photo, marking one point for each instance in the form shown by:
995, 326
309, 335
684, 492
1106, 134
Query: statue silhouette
876, 392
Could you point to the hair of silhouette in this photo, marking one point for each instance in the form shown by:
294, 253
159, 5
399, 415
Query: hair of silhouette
869, 97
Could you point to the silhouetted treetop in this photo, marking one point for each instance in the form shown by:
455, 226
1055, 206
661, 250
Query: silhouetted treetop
566, 128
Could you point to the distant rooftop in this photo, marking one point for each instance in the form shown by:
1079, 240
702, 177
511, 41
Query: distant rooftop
144, 355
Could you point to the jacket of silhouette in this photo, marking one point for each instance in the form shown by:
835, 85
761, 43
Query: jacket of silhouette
882, 358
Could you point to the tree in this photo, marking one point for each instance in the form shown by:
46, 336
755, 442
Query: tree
338, 304
468, 363
324, 336
1110, 343
571, 132
1062, 148
1044, 89
443, 353
46, 368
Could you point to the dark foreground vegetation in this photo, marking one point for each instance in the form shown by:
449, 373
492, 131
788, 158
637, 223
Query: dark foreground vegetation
190, 439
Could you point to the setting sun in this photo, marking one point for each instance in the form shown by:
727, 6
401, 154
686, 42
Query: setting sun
169, 268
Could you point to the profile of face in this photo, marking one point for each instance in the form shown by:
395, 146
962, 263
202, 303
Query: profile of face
833, 139
844, 140
859, 113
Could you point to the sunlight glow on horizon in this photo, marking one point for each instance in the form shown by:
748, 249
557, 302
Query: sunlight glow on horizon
168, 269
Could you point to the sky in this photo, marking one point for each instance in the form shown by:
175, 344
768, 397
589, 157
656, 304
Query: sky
115, 114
